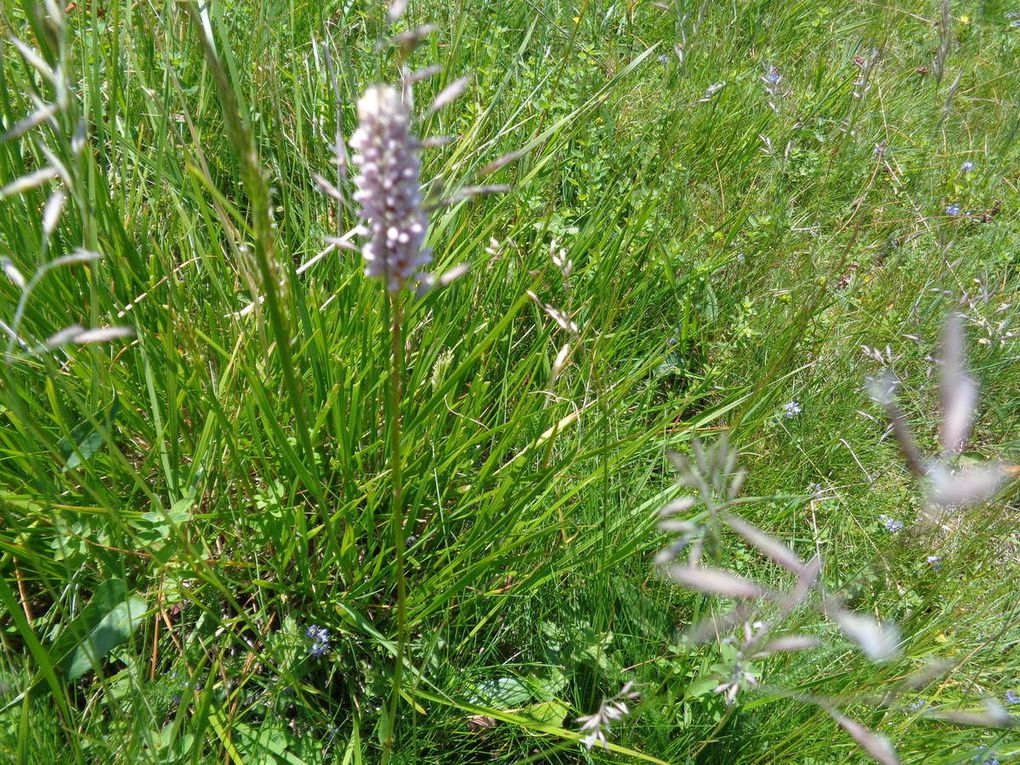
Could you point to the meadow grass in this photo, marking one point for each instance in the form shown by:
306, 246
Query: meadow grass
764, 203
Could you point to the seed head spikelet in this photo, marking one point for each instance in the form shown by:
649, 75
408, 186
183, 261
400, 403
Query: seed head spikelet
388, 189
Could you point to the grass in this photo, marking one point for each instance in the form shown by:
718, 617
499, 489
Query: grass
179, 507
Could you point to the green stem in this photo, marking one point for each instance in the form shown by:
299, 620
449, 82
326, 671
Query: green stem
396, 513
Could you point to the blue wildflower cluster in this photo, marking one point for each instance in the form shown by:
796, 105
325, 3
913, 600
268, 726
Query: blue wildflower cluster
892, 525
320, 640
791, 409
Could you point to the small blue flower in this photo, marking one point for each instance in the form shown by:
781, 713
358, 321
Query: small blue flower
967, 166
935, 561
319, 649
320, 640
1012, 697
892, 525
917, 705
953, 209
773, 77
791, 409
320, 634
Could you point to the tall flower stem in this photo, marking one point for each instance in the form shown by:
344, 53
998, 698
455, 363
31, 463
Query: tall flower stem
396, 511
394, 226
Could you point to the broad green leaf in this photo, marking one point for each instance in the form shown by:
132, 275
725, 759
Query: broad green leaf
115, 628
107, 621
701, 686
547, 712
503, 692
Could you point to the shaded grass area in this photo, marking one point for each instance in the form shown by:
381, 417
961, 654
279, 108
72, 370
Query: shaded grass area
734, 249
